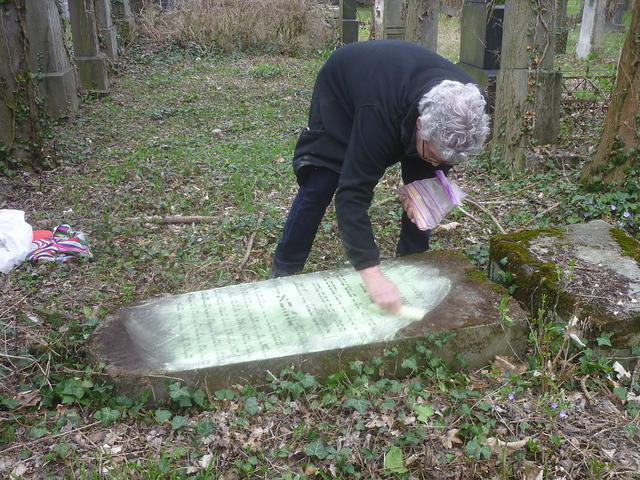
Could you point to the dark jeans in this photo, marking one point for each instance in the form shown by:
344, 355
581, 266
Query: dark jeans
316, 191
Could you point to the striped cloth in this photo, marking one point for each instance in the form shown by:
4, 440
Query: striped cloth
428, 201
65, 245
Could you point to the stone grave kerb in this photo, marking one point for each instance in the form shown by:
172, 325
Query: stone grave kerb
468, 310
588, 271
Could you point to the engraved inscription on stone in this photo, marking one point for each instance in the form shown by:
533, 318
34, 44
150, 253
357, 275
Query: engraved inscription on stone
275, 318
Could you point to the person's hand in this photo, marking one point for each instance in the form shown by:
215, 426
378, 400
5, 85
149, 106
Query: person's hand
382, 291
408, 208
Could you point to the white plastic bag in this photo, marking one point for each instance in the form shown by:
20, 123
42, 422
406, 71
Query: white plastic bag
428, 201
16, 236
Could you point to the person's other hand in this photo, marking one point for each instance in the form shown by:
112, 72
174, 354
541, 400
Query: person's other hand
383, 292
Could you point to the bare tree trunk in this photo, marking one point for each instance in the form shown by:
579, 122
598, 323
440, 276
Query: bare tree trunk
619, 146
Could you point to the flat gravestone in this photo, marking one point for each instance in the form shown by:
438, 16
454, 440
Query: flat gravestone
235, 334
589, 271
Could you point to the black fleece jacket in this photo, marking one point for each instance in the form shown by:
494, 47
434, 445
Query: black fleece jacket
362, 119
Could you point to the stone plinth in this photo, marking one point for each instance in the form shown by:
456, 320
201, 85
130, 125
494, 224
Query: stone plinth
319, 321
48, 58
588, 270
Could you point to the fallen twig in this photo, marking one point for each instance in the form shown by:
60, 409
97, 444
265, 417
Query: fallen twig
173, 219
537, 215
244, 260
583, 385
49, 437
469, 215
480, 207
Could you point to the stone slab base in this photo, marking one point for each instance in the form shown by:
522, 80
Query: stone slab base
319, 321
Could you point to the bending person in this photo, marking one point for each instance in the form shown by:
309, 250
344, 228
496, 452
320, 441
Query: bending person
375, 104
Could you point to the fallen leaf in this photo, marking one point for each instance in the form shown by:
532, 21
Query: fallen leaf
446, 228
506, 448
310, 470
205, 460
29, 398
508, 364
531, 471
609, 453
450, 438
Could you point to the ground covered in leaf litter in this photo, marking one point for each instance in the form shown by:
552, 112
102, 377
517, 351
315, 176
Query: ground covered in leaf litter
211, 137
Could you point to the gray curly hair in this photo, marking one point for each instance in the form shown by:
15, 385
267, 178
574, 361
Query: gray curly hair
452, 117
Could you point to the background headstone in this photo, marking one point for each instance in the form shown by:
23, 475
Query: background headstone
92, 63
348, 21
20, 136
591, 28
48, 58
393, 27
123, 20
616, 19
421, 22
481, 42
561, 31
106, 29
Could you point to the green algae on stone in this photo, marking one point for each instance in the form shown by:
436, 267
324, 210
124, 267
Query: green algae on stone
629, 245
537, 282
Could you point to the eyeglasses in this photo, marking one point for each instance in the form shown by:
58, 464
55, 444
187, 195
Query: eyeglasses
429, 154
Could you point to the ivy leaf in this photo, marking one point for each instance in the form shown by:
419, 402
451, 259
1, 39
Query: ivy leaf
424, 411
180, 394
107, 416
224, 394
37, 432
604, 339
359, 404
316, 449
251, 406
478, 450
178, 422
204, 428
394, 461
410, 363
621, 393
199, 397
162, 415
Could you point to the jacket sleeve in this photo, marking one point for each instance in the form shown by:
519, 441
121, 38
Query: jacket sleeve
373, 146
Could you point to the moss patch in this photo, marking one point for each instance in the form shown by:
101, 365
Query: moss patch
537, 283
629, 245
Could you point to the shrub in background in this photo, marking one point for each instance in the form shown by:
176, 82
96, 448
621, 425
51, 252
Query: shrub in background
286, 26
